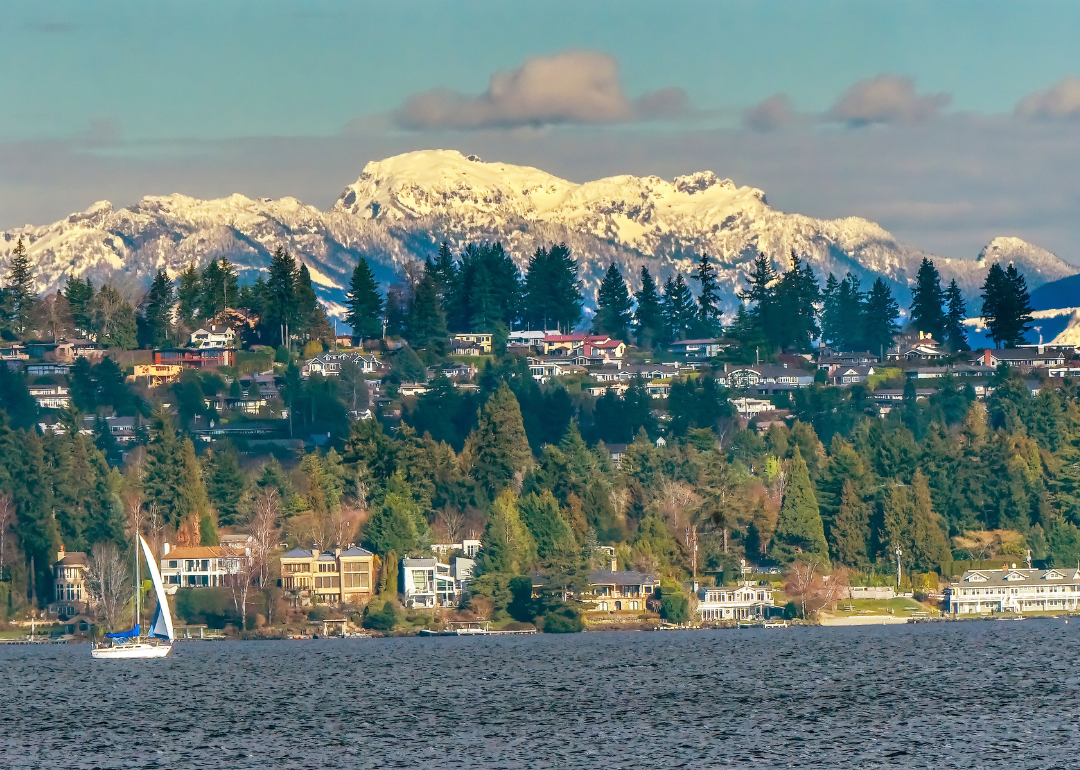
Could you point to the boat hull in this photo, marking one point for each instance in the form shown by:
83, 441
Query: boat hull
132, 651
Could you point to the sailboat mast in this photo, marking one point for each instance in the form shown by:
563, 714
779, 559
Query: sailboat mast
138, 587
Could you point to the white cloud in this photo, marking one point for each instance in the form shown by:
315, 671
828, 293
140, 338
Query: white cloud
579, 87
886, 99
1059, 101
770, 115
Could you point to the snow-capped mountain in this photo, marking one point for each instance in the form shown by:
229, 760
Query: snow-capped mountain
402, 207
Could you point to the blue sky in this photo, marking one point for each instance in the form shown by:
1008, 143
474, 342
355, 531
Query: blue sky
120, 99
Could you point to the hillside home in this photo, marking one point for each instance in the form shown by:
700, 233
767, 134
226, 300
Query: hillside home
329, 363
744, 377
479, 341
1015, 590
50, 396
214, 337
849, 375
468, 547
157, 374
341, 576
204, 566
195, 358
429, 583
829, 360
703, 348
70, 595
751, 407
619, 591
1024, 359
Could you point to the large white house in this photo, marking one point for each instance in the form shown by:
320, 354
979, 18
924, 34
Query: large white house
214, 337
741, 602
430, 583
1015, 590
205, 566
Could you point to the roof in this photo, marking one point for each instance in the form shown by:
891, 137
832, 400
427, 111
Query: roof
1023, 354
709, 341
298, 553
73, 558
419, 562
622, 578
1019, 576
202, 552
356, 551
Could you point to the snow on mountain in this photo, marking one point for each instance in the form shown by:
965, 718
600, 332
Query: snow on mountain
402, 207
1070, 335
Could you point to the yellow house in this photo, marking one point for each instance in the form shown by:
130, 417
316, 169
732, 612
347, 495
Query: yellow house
482, 341
331, 577
157, 374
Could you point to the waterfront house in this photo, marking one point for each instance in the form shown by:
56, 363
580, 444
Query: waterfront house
619, 591
70, 597
748, 600
341, 576
204, 566
428, 583
1010, 589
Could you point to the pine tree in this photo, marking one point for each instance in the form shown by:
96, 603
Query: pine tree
762, 292
445, 273
508, 546
927, 300
929, 546
850, 531
613, 306
850, 309
187, 295
19, 292
279, 312
395, 526
226, 484
310, 319
553, 536
799, 529
678, 307
113, 320
1020, 309
1006, 306
426, 320
157, 314
797, 296
161, 472
955, 333
79, 295
831, 319
192, 507
648, 317
499, 445
708, 312
364, 302
879, 318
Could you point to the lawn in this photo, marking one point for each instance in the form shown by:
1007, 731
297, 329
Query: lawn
899, 607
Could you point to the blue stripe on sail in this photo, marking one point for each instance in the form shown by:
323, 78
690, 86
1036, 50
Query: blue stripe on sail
158, 629
125, 634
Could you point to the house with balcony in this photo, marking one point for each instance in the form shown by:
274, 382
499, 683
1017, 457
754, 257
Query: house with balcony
746, 601
481, 342
195, 358
204, 566
341, 576
157, 374
429, 583
845, 376
746, 377
1015, 590
700, 349
50, 396
70, 595
1025, 359
329, 363
619, 591
214, 337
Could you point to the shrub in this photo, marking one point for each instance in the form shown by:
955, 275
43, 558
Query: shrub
319, 612
675, 607
382, 619
212, 606
521, 605
564, 620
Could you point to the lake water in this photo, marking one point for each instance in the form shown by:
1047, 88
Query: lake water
947, 695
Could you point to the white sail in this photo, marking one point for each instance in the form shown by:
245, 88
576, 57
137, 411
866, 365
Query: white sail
162, 625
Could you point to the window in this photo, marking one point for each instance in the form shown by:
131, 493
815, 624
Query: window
327, 567
356, 574
173, 564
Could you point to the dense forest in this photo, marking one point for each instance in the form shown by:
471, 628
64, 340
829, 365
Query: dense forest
526, 466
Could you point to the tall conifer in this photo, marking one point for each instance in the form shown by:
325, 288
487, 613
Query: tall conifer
927, 300
799, 531
648, 316
613, 306
364, 302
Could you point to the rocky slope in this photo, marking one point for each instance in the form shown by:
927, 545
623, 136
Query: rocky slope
402, 207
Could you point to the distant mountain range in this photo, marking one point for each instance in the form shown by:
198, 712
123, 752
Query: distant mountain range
401, 208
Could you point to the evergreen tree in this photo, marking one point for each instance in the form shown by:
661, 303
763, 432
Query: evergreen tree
191, 505
708, 311
929, 544
398, 524
508, 546
157, 317
19, 294
799, 529
955, 333
162, 470
79, 295
498, 445
762, 292
850, 530
444, 271
226, 484
879, 318
797, 296
613, 306
280, 305
553, 536
831, 319
927, 300
848, 316
427, 322
113, 320
649, 316
1006, 306
364, 302
552, 294
678, 309
310, 319
187, 296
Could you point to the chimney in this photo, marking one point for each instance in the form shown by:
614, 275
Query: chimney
165, 548
60, 554
337, 552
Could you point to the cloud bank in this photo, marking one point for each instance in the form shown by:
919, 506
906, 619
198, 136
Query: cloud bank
886, 99
1059, 102
770, 115
571, 87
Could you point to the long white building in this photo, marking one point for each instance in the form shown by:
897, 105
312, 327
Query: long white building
1013, 589
744, 601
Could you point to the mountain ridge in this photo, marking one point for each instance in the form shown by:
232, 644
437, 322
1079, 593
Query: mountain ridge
401, 207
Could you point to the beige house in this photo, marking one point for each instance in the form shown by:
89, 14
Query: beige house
1015, 590
69, 584
619, 591
481, 341
331, 577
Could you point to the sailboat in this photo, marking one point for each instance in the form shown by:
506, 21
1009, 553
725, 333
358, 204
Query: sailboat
130, 644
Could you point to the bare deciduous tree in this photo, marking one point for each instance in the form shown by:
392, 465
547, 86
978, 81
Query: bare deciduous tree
264, 531
108, 582
451, 521
7, 515
242, 572
813, 590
